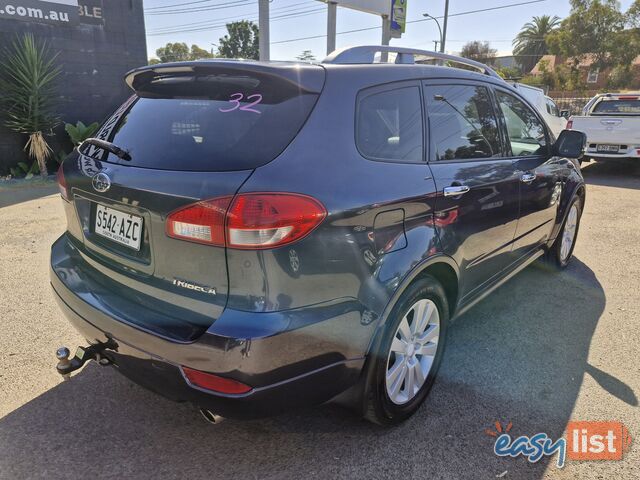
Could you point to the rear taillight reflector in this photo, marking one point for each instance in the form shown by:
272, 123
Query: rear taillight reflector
62, 183
569, 124
251, 221
202, 222
212, 382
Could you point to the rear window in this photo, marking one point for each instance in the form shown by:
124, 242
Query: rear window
213, 122
629, 107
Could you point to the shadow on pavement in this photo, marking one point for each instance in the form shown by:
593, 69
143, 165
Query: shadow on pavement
13, 194
619, 174
520, 356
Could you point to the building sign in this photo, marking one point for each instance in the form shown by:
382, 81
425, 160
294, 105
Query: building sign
398, 17
91, 12
57, 12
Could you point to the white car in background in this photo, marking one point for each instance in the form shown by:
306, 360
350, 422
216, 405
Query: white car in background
556, 119
612, 124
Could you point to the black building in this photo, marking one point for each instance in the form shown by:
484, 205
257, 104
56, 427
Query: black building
98, 41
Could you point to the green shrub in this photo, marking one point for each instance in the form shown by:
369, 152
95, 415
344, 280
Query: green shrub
79, 132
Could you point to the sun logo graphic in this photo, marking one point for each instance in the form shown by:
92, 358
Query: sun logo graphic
586, 441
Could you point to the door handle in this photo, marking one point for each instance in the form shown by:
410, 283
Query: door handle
456, 191
528, 177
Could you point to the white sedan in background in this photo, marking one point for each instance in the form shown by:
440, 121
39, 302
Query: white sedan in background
556, 119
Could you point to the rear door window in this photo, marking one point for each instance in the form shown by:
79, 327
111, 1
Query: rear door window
389, 125
208, 122
462, 122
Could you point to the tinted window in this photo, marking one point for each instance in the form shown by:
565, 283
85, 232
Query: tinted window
527, 134
618, 106
208, 123
462, 123
389, 125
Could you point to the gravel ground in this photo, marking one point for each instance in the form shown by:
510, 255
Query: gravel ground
544, 349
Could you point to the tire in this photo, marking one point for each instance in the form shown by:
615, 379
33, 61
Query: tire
559, 256
388, 396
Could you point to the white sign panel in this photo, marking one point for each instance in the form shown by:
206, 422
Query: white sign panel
377, 7
59, 12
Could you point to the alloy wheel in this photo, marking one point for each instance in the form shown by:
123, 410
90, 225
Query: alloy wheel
413, 351
569, 233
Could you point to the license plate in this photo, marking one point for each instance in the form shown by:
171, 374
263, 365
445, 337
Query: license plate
609, 148
118, 226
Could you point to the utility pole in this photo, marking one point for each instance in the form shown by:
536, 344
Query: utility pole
263, 25
332, 9
444, 28
386, 37
435, 45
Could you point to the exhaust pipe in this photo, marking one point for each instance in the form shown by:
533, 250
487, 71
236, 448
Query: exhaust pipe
211, 417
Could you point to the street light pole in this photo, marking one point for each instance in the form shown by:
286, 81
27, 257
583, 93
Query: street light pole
426, 15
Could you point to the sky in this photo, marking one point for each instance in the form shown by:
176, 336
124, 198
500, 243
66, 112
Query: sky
294, 21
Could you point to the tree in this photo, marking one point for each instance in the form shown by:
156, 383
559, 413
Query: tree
179, 52
479, 51
306, 56
27, 95
592, 28
530, 44
241, 41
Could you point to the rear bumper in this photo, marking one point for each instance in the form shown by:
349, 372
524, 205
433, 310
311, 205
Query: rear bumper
288, 368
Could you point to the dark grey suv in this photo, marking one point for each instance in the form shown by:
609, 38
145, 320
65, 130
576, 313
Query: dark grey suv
251, 237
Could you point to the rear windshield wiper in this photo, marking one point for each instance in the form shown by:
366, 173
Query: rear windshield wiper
108, 146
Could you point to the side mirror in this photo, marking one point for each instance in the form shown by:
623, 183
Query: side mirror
565, 114
571, 144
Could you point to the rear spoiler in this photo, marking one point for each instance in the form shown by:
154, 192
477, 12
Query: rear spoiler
307, 77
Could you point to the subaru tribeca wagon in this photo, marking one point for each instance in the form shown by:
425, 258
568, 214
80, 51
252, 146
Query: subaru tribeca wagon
252, 237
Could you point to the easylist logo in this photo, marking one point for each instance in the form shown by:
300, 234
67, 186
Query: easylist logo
64, 12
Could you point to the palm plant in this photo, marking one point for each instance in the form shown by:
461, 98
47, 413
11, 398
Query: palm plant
530, 44
27, 81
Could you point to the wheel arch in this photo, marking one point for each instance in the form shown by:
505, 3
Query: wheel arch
444, 269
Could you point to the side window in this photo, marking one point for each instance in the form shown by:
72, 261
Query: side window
552, 108
526, 132
389, 125
462, 123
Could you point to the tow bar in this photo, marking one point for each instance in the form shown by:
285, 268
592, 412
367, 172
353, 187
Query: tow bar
83, 355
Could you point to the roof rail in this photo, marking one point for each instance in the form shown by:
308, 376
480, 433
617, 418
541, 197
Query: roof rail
365, 54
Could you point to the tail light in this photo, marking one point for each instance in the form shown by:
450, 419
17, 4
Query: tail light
202, 222
212, 382
570, 124
62, 183
248, 221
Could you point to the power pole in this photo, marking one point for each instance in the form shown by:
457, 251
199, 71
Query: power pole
263, 25
444, 28
386, 37
332, 9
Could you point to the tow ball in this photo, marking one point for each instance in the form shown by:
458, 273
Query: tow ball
83, 355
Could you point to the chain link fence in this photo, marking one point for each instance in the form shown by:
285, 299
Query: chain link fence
572, 101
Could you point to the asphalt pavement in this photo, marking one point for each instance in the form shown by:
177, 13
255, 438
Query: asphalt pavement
545, 349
